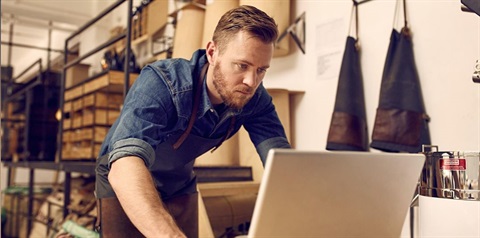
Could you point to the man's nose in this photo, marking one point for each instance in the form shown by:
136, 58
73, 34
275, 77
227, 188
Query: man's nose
250, 79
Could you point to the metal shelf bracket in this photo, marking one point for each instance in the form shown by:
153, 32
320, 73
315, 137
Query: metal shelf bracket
297, 31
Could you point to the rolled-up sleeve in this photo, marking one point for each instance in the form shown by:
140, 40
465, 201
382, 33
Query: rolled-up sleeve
132, 147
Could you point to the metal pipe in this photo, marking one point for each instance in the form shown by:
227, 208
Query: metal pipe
10, 40
30, 201
128, 49
30, 46
49, 44
96, 50
39, 61
67, 187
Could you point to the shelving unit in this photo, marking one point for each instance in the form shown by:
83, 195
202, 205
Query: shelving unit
93, 87
82, 116
29, 116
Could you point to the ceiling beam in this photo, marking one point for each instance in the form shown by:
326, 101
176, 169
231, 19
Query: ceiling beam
43, 13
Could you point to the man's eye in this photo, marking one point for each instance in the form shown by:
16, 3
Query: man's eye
261, 71
242, 66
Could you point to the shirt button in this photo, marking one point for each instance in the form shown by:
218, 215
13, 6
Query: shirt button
211, 109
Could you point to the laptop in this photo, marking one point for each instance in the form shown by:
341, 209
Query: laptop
335, 194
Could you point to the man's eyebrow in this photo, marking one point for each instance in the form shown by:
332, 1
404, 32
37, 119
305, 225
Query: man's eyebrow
250, 63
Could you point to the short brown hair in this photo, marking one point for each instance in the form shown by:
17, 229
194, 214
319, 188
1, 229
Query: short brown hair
245, 18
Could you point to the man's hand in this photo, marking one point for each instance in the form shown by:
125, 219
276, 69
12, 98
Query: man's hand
134, 187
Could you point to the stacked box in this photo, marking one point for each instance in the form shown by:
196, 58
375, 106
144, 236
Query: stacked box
93, 106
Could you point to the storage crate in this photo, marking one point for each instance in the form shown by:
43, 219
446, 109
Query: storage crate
76, 74
73, 93
82, 150
93, 106
77, 119
103, 100
67, 110
102, 117
110, 82
83, 143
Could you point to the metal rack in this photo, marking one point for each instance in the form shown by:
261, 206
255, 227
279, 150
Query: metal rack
70, 167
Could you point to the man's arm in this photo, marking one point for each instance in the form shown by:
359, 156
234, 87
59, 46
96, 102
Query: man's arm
134, 187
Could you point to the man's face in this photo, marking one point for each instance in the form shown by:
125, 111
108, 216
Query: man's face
239, 70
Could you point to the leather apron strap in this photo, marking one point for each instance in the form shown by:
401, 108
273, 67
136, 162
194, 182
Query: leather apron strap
196, 103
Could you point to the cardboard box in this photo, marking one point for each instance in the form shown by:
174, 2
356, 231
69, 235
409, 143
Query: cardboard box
76, 74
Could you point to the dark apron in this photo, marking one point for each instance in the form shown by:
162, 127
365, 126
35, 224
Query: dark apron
348, 126
172, 174
401, 121
182, 204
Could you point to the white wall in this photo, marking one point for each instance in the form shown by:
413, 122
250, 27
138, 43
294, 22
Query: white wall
446, 45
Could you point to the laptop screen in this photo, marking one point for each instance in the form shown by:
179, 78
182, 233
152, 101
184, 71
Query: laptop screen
335, 194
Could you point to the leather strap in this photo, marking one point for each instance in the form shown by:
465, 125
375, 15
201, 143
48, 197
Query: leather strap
196, 103
230, 129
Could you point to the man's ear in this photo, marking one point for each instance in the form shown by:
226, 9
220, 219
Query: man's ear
211, 52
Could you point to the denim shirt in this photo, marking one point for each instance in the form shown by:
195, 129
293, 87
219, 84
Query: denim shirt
159, 105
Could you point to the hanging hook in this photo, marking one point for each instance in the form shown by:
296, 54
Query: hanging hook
362, 2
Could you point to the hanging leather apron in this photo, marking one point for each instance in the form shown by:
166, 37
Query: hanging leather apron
181, 151
348, 126
401, 123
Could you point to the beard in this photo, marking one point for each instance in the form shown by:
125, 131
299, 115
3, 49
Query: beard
230, 96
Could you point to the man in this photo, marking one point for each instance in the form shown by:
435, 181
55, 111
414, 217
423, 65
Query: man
177, 110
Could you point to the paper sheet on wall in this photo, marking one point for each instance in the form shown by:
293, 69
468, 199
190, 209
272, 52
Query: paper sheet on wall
330, 39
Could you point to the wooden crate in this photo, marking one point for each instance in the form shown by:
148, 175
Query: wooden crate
73, 93
77, 104
97, 116
67, 136
67, 123
67, 109
81, 151
96, 134
67, 106
93, 107
77, 119
112, 82
83, 143
103, 100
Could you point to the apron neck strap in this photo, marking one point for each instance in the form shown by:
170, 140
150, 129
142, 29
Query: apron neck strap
230, 130
196, 103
